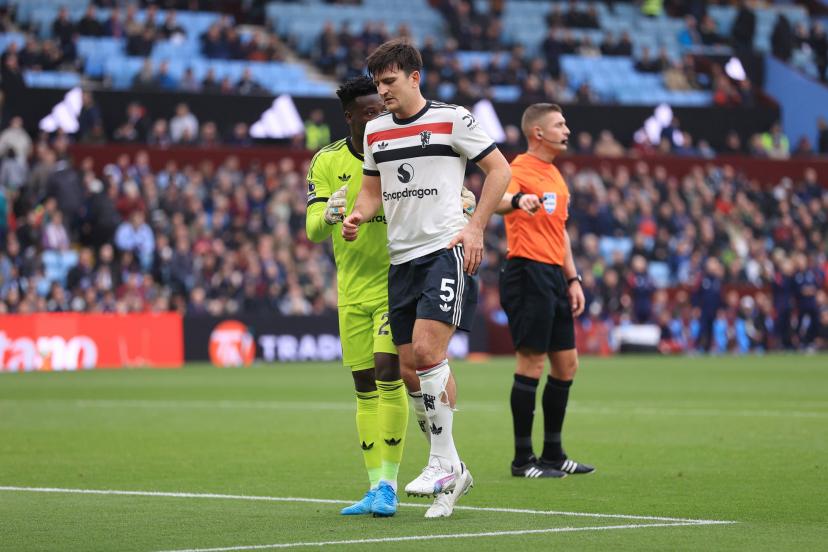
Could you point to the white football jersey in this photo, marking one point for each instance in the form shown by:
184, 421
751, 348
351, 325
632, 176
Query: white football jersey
421, 162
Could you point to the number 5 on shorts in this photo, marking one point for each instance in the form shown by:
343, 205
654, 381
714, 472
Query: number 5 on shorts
446, 286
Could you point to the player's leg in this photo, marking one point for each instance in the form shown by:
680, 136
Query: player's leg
447, 301
393, 411
408, 370
356, 328
563, 358
529, 307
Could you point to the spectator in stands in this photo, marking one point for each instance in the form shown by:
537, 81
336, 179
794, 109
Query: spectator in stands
62, 26
16, 140
646, 64
188, 81
775, 143
210, 83
140, 42
88, 25
144, 79
782, 38
114, 26
136, 126
240, 135
89, 117
184, 126
213, 44
163, 80
744, 28
55, 237
608, 146
170, 29
689, 34
248, 85
209, 136
159, 136
317, 132
135, 235
709, 32
13, 87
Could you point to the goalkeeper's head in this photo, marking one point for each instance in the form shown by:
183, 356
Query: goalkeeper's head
360, 103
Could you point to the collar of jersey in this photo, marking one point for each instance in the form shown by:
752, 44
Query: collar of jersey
414, 117
352, 150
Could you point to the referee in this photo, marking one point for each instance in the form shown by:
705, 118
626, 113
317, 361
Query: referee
540, 291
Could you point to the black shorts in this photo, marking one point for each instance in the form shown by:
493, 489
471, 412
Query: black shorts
534, 297
433, 287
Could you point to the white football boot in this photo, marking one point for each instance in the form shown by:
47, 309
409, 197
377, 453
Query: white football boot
443, 505
434, 480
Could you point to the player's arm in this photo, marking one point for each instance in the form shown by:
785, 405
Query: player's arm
318, 221
498, 174
367, 204
574, 290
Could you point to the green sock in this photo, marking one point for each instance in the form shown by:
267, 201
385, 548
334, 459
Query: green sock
368, 431
393, 421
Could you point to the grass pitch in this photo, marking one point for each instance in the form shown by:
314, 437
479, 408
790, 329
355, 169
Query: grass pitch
714, 438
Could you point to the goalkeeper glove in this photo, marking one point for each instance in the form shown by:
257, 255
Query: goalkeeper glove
469, 203
335, 208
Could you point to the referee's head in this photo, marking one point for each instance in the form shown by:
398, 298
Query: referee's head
545, 128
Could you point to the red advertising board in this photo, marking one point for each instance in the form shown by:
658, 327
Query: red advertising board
69, 341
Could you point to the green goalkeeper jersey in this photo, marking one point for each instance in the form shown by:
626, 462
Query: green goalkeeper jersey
361, 265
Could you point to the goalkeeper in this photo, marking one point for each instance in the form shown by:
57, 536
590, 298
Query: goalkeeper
334, 180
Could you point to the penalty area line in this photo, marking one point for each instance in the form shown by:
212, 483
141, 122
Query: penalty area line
164, 494
445, 536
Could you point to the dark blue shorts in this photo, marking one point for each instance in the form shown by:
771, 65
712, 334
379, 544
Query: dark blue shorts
432, 287
534, 297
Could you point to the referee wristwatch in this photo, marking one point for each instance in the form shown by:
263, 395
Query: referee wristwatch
576, 278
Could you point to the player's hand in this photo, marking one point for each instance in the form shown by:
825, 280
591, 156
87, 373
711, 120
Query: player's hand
471, 238
576, 298
335, 208
529, 203
350, 226
469, 203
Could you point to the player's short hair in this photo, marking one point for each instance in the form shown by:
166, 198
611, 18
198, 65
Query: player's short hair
354, 88
535, 113
395, 54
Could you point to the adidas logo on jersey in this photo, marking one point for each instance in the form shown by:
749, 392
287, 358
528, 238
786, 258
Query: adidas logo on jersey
392, 442
344, 177
382, 145
367, 446
436, 430
445, 308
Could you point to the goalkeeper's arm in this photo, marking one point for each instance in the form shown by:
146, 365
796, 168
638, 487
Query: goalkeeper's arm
324, 213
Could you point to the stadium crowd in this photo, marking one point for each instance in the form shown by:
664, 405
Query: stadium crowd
716, 260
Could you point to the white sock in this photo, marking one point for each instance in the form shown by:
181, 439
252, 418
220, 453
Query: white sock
440, 415
420, 413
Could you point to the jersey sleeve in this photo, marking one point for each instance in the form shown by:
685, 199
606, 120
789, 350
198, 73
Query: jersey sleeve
517, 177
369, 167
468, 138
319, 191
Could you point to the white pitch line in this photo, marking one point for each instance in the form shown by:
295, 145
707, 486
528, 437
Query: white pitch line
443, 536
164, 494
471, 406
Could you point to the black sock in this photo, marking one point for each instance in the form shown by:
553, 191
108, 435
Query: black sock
524, 390
555, 397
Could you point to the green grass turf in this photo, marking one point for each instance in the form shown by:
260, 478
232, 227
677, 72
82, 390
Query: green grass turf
739, 439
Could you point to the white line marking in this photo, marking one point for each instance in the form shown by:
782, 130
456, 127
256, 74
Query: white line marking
435, 537
471, 405
334, 501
